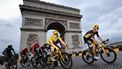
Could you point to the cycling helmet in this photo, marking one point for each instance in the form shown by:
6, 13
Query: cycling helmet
9, 46
95, 26
55, 32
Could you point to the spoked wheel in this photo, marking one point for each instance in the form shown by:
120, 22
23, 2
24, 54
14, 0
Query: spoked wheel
22, 63
7, 66
33, 61
28, 62
11, 65
42, 62
66, 61
109, 56
14, 65
50, 63
88, 57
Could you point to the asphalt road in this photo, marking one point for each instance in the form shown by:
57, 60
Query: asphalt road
78, 63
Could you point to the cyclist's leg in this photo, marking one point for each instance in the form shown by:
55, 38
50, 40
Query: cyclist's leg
90, 42
93, 48
56, 51
52, 50
52, 53
6, 58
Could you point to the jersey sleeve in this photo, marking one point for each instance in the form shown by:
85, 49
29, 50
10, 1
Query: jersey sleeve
50, 38
59, 38
88, 35
97, 34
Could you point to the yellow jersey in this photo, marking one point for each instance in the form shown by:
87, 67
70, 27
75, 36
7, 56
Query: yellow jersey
54, 40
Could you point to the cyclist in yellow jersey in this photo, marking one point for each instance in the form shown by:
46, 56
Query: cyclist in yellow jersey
90, 39
53, 40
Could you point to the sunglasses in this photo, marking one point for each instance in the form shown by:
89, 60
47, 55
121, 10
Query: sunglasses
97, 27
55, 34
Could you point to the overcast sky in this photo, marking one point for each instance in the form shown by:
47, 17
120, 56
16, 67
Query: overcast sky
108, 13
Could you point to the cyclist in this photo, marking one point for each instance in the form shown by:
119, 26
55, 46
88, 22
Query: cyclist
8, 52
53, 40
90, 39
24, 53
35, 48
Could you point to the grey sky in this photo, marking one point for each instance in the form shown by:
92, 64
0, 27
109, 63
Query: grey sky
105, 12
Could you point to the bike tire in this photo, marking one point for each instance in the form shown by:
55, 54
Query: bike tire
50, 64
14, 66
42, 62
34, 63
7, 66
66, 61
90, 56
112, 60
28, 62
22, 63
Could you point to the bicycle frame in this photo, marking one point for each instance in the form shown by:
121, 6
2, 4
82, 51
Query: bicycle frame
59, 54
101, 50
101, 47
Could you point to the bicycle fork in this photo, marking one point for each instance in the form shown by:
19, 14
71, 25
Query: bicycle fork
105, 51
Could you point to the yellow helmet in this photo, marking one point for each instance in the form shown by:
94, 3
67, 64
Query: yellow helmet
95, 26
55, 32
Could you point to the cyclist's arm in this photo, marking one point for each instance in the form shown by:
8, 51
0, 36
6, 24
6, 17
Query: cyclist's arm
99, 37
4, 52
62, 42
52, 44
13, 51
94, 40
87, 35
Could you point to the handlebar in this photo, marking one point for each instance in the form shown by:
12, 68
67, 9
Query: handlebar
106, 41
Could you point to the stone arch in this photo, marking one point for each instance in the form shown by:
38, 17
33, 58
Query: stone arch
48, 21
39, 19
57, 26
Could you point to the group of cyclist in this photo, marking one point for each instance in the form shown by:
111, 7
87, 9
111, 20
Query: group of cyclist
54, 39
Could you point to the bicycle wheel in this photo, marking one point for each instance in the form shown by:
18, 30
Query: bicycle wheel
42, 62
22, 63
7, 66
14, 65
66, 61
110, 55
88, 57
33, 61
28, 62
50, 63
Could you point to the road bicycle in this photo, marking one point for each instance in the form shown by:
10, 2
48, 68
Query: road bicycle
25, 60
11, 62
107, 54
39, 58
62, 57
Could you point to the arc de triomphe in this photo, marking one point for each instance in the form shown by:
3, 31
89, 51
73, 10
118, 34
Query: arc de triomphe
38, 17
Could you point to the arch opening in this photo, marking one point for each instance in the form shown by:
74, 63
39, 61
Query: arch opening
57, 26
